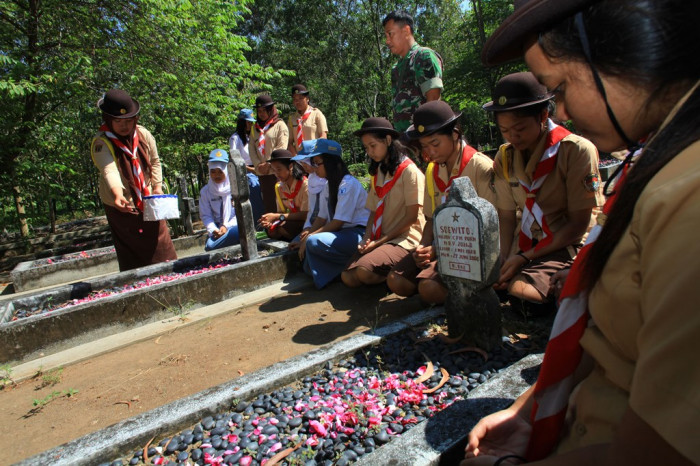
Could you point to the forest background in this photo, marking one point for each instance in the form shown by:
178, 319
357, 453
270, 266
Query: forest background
192, 65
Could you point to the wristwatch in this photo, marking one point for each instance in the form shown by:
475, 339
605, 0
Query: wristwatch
282, 217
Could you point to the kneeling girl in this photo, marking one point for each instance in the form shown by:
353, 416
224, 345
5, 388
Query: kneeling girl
215, 209
395, 201
342, 217
292, 198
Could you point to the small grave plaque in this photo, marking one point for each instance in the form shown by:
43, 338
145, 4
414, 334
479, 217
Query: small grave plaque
458, 244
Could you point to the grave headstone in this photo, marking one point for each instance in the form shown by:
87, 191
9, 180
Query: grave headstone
186, 206
467, 249
240, 194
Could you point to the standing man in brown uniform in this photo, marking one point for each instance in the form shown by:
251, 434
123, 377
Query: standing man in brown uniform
307, 122
269, 133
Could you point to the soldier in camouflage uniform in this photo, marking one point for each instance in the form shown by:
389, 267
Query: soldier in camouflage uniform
417, 77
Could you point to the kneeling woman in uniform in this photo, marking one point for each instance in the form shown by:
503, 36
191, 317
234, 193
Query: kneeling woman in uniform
215, 209
395, 201
548, 174
436, 129
342, 217
292, 198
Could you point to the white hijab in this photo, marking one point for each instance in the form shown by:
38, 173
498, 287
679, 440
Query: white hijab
219, 189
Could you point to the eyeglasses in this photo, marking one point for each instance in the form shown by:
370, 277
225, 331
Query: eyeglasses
316, 164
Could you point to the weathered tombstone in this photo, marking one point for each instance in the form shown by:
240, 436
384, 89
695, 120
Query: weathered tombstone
241, 200
468, 247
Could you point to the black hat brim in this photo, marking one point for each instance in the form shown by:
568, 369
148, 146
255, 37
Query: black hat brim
101, 101
506, 43
493, 107
413, 133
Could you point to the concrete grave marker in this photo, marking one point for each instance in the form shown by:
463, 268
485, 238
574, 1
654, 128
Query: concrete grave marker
467, 248
240, 194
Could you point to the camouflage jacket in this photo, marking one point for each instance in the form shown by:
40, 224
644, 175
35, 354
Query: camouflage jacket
411, 77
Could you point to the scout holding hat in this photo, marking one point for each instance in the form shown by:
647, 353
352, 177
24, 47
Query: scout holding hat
292, 198
315, 187
269, 134
548, 174
215, 207
337, 231
436, 130
395, 203
126, 157
623, 71
239, 142
306, 122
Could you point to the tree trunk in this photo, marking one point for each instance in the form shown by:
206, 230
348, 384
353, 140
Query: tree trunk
21, 215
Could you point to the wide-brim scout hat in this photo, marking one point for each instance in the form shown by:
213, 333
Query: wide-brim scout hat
326, 146
246, 114
218, 155
305, 150
516, 91
376, 125
118, 104
281, 154
299, 89
529, 17
264, 100
431, 117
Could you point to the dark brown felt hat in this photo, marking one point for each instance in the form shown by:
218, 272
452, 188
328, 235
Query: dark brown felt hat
517, 90
431, 117
280, 154
529, 17
299, 89
264, 100
118, 104
377, 125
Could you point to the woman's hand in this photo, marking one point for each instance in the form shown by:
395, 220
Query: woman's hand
556, 281
302, 247
366, 246
499, 434
218, 233
302, 237
423, 255
157, 189
510, 269
264, 168
268, 219
121, 203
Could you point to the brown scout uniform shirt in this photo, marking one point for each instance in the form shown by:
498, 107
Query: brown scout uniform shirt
301, 200
570, 186
480, 172
111, 176
408, 191
275, 138
314, 126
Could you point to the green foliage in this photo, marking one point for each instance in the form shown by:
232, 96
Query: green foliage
193, 66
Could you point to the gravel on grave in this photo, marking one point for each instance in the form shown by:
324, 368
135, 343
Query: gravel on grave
342, 412
129, 287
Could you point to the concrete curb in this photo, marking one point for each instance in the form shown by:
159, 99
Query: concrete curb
120, 438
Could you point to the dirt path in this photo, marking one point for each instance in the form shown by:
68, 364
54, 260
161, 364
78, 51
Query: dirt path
143, 376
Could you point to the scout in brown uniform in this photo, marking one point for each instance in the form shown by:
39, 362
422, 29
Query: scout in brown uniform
307, 122
625, 358
292, 196
269, 133
548, 174
395, 201
435, 128
126, 155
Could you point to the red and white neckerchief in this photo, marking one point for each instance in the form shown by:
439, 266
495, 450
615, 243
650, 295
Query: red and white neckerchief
291, 196
532, 211
381, 192
140, 180
563, 354
300, 123
467, 154
262, 131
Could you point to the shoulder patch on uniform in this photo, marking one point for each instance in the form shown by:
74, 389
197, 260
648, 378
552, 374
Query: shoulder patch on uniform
592, 182
343, 190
